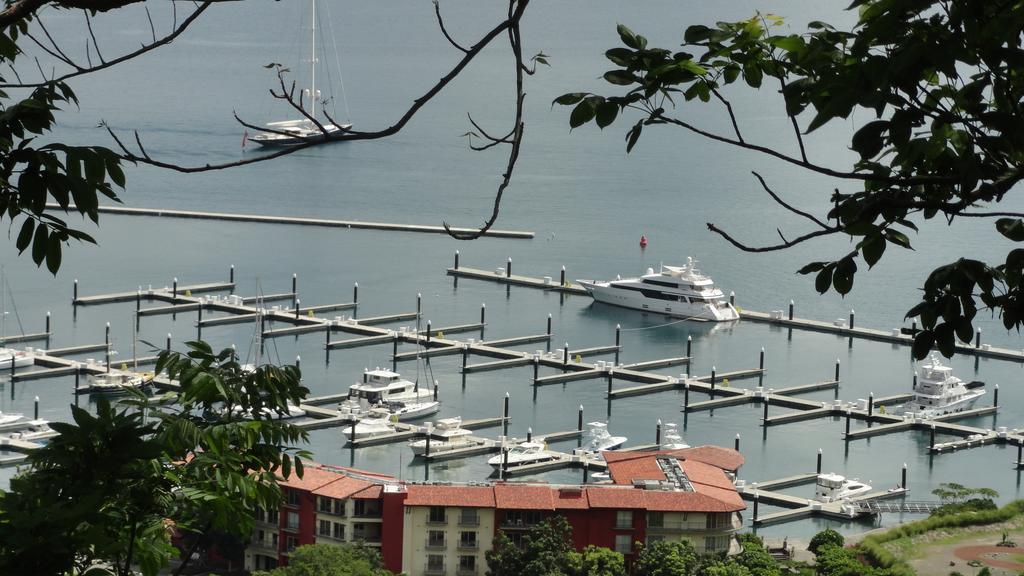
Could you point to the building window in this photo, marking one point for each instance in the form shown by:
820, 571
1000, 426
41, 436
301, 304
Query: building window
656, 519
339, 531
325, 528
339, 507
525, 518
437, 515
274, 540
293, 497
324, 504
435, 539
717, 521
624, 519
652, 538
291, 543
272, 516
716, 543
623, 543
435, 564
467, 540
293, 521
467, 565
469, 517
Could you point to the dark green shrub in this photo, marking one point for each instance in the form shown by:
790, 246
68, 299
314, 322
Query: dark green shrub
827, 536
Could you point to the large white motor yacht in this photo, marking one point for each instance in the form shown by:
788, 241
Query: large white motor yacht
833, 487
525, 453
938, 392
599, 440
671, 439
383, 386
680, 291
114, 383
10, 417
447, 435
370, 426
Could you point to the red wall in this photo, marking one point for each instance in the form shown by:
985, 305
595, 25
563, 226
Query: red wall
392, 528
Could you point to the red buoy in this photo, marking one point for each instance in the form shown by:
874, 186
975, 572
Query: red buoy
643, 241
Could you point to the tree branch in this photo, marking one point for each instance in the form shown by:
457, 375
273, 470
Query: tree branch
440, 23
785, 205
785, 244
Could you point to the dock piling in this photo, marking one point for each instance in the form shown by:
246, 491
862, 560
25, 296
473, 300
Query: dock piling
419, 305
837, 370
848, 424
436, 391
355, 293
977, 338
483, 313
529, 434
106, 341
871, 404
168, 341
755, 506
791, 304
618, 334
295, 284
231, 274
427, 454
736, 443
456, 259
914, 385
428, 331
35, 412
565, 355
508, 268
657, 433
579, 418
536, 368
851, 319
903, 477
689, 348
74, 293
199, 322
760, 361
298, 304
931, 436
78, 374
686, 395
765, 402
561, 279
48, 329
298, 362
549, 325
995, 395
712, 381
818, 467
732, 298
138, 299
174, 292
610, 378
504, 416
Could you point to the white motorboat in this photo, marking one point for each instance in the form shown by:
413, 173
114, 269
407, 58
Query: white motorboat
938, 392
679, 291
35, 430
447, 435
404, 411
599, 440
303, 130
10, 417
525, 453
368, 427
18, 357
113, 383
671, 439
383, 386
834, 487
292, 411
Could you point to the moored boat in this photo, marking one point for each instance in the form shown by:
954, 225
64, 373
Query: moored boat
525, 453
938, 392
447, 435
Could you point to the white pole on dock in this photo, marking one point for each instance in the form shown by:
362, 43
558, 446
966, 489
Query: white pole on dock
837, 370
231, 274
903, 477
977, 338
995, 396
689, 348
579, 418
657, 433
74, 294
561, 280
618, 335
456, 259
871, 404
298, 303
736, 442
760, 362
298, 362
504, 416
851, 319
355, 293
508, 268
549, 325
168, 341
483, 313
818, 468
174, 292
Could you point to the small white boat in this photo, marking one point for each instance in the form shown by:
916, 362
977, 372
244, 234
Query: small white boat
680, 291
938, 392
18, 357
599, 440
35, 430
671, 439
404, 411
525, 453
293, 411
445, 436
383, 386
368, 427
834, 487
10, 417
113, 383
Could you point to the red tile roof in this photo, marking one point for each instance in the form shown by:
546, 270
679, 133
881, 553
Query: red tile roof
725, 458
372, 492
523, 497
313, 477
617, 497
464, 496
570, 498
342, 487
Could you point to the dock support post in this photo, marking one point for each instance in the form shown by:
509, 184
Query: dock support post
871, 404
837, 370
504, 463
355, 293
736, 443
456, 259
561, 279
765, 402
610, 377
12, 373
851, 319
483, 312
712, 381
106, 348
818, 467
231, 274
427, 453
657, 433
618, 335
847, 423
995, 396
74, 293
536, 368
529, 434
352, 433
732, 298
508, 268
168, 341
78, 374
47, 328
755, 506
791, 304
295, 285
977, 338
35, 412
689, 348
298, 304
686, 395
428, 331
565, 355
436, 391
504, 417
1020, 453
199, 322
579, 419
931, 437
903, 477
298, 361
138, 299
760, 361
174, 292
914, 385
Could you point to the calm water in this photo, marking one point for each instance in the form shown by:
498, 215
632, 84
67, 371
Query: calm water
586, 200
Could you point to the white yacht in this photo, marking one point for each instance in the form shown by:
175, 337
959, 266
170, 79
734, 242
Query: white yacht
447, 435
368, 427
10, 417
292, 411
599, 440
833, 487
403, 411
35, 430
18, 357
525, 453
938, 392
671, 439
383, 386
680, 291
112, 383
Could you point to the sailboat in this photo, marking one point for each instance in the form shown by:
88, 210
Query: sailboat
303, 130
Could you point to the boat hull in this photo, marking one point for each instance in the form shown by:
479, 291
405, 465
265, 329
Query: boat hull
608, 294
961, 405
274, 140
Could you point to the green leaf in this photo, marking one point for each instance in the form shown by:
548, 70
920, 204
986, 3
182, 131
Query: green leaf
583, 112
633, 135
872, 248
53, 254
923, 343
25, 236
619, 77
898, 238
824, 279
569, 99
628, 38
752, 74
1012, 228
39, 245
606, 113
812, 267
620, 56
792, 43
868, 140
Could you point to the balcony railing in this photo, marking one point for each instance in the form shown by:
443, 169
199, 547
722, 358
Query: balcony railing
466, 571
468, 545
469, 520
519, 523
368, 514
437, 521
435, 544
434, 570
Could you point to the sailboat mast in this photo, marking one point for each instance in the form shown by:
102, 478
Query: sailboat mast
312, 60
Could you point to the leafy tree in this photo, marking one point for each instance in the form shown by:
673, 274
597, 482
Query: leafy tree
545, 550
597, 561
108, 490
726, 568
331, 560
756, 559
826, 536
666, 558
938, 77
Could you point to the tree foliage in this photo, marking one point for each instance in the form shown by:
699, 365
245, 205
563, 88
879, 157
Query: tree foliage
545, 550
108, 490
667, 558
825, 537
331, 560
940, 78
597, 561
